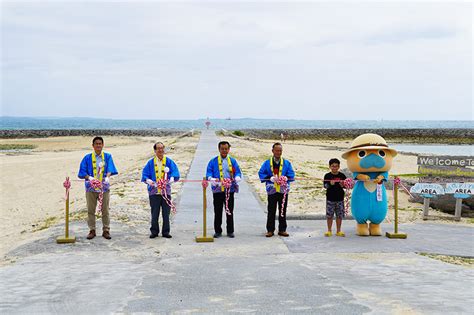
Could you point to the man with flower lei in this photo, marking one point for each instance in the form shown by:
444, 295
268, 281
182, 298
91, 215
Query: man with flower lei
93, 168
277, 173
159, 173
224, 173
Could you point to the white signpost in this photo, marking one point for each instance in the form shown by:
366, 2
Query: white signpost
427, 191
460, 191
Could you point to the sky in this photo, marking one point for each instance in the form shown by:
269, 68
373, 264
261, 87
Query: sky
278, 60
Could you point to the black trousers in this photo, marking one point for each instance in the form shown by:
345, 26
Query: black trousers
273, 201
157, 202
219, 204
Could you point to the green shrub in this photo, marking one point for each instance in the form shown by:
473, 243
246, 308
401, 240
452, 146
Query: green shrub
16, 147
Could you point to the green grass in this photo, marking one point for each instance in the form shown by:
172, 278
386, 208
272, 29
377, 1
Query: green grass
120, 193
78, 215
303, 174
455, 260
46, 224
123, 218
409, 209
238, 133
407, 175
12, 146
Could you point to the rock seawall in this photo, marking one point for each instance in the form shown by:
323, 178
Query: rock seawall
26, 133
443, 136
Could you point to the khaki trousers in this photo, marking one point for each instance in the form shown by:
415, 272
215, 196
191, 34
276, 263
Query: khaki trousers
92, 199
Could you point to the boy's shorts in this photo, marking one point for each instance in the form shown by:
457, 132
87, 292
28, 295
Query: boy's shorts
336, 207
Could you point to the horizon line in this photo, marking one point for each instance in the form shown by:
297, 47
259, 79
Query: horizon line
227, 118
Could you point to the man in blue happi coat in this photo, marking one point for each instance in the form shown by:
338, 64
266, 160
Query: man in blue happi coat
220, 169
93, 168
160, 168
271, 170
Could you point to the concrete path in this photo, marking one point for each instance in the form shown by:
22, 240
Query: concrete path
305, 273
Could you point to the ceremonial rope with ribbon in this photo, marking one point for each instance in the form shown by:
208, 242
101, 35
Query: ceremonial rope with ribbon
398, 182
282, 181
227, 183
161, 184
97, 185
67, 185
348, 185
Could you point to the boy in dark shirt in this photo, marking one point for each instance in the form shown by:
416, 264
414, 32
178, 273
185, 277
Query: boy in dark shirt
334, 197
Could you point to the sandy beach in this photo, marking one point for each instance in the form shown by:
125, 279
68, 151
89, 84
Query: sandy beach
32, 196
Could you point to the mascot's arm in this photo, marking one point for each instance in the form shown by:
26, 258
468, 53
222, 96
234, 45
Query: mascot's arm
363, 177
379, 179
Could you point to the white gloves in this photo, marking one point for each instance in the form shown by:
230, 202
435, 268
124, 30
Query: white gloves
152, 183
91, 178
273, 179
237, 179
107, 180
214, 181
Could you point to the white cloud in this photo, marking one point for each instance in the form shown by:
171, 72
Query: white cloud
302, 60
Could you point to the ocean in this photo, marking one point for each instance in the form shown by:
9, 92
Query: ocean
9, 123
12, 123
438, 149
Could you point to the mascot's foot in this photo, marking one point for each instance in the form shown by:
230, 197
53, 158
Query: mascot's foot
363, 229
375, 229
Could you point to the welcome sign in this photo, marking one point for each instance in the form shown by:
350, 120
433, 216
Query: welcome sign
444, 167
457, 161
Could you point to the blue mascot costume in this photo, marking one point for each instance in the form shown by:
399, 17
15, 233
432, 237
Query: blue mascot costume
369, 159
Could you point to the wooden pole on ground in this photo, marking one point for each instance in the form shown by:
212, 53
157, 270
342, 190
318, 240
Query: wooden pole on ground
395, 205
66, 238
204, 237
426, 207
458, 209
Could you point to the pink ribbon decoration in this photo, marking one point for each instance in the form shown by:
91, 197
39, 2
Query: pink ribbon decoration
283, 182
67, 185
227, 183
398, 182
97, 185
204, 183
348, 184
161, 184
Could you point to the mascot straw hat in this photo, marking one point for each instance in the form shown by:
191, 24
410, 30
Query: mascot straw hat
369, 141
